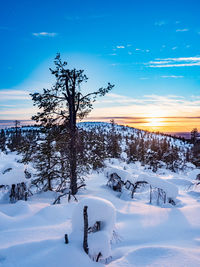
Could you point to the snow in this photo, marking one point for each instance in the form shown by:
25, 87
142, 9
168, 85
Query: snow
158, 256
134, 176
98, 210
124, 175
170, 189
192, 175
11, 172
32, 232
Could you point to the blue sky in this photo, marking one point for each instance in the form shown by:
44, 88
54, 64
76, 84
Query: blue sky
150, 50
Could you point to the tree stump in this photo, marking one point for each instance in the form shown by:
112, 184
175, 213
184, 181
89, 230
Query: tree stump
85, 238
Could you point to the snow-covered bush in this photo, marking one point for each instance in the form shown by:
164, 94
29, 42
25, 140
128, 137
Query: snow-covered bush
101, 212
127, 179
13, 177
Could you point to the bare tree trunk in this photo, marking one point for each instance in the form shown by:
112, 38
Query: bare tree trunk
73, 159
66, 239
150, 194
98, 256
165, 197
49, 184
73, 144
158, 196
85, 238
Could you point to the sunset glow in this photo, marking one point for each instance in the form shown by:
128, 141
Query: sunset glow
155, 122
161, 124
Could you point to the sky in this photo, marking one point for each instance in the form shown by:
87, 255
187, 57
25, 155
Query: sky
150, 51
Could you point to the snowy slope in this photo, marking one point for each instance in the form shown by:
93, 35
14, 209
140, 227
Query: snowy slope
127, 131
32, 232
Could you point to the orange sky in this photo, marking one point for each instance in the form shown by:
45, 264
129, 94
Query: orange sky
161, 124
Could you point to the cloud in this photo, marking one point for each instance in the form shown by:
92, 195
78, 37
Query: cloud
160, 23
174, 62
147, 106
44, 34
18, 113
182, 30
14, 95
120, 46
16, 104
171, 76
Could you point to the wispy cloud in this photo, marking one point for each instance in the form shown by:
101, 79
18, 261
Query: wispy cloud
174, 62
182, 30
120, 46
18, 113
172, 76
147, 106
44, 34
14, 95
16, 104
160, 23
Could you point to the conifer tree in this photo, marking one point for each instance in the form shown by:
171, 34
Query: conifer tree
114, 148
64, 103
2, 140
194, 135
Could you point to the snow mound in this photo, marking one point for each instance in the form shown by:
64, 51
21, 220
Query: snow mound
124, 175
11, 172
158, 256
170, 189
154, 180
4, 220
192, 175
99, 210
20, 208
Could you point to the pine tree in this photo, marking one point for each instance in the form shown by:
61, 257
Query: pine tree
2, 140
114, 149
194, 135
64, 104
45, 162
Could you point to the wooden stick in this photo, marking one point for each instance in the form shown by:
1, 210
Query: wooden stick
85, 238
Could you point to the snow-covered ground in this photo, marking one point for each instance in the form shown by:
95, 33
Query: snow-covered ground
32, 232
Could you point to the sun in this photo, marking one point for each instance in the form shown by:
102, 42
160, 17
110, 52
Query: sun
154, 122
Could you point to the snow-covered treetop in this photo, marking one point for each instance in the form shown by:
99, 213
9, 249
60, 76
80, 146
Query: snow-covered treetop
11, 172
133, 176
